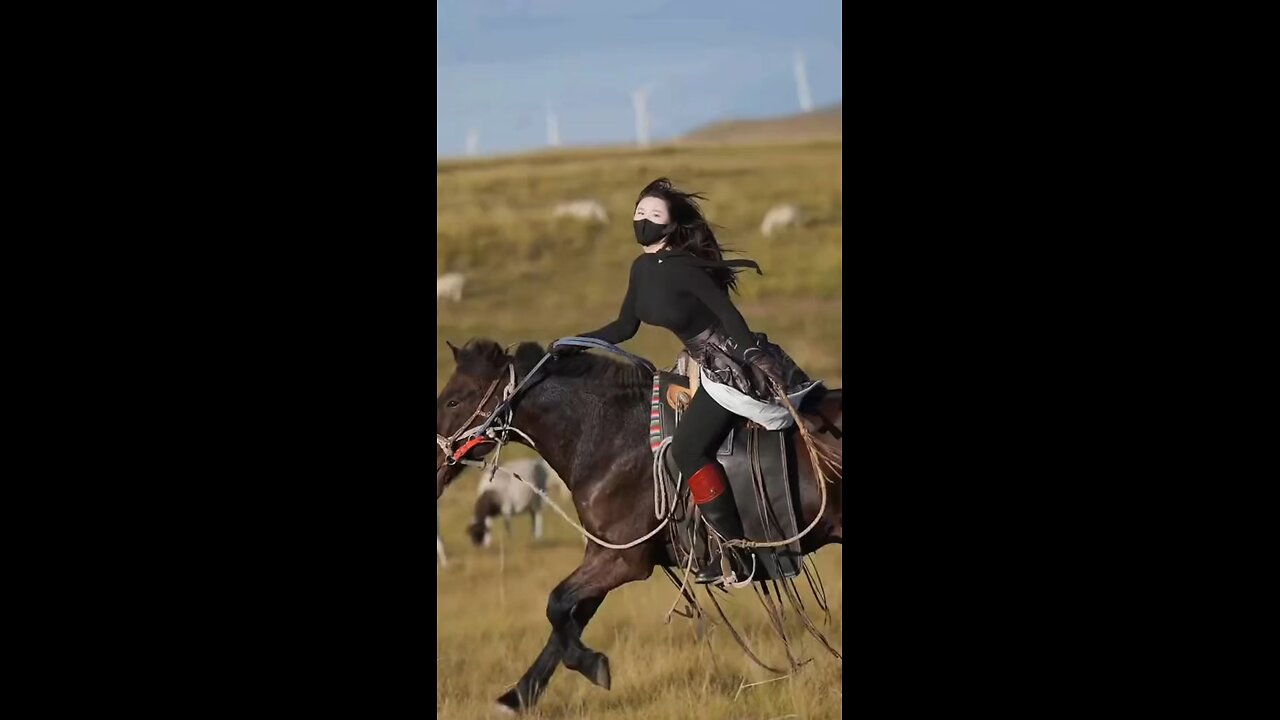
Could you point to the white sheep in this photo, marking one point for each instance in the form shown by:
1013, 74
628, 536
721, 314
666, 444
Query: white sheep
582, 210
780, 216
449, 287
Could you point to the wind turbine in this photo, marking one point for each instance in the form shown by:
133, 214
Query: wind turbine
802, 83
640, 101
553, 127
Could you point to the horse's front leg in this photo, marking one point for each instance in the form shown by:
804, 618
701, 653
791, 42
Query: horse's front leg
570, 607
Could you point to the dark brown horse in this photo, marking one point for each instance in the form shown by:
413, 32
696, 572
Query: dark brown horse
589, 417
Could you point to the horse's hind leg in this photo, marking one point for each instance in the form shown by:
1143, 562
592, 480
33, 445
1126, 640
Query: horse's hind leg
570, 607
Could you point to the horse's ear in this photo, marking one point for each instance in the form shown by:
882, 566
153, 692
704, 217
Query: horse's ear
454, 349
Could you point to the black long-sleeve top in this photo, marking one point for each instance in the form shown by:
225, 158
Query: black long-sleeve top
673, 292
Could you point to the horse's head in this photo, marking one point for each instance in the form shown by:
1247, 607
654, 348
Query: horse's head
479, 531
473, 392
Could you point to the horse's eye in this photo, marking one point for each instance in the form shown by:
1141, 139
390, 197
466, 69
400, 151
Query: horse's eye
452, 403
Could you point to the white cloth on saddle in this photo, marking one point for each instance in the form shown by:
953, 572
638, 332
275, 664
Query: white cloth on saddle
770, 415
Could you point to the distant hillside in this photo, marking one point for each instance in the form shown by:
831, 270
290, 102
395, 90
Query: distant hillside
819, 124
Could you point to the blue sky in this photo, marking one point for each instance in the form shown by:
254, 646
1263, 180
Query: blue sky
499, 62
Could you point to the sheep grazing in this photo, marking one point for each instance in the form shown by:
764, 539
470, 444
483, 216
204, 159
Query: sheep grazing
582, 210
781, 216
449, 287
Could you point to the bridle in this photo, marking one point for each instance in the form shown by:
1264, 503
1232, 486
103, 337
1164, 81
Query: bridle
483, 433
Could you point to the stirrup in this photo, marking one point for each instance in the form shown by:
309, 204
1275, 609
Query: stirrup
711, 572
727, 578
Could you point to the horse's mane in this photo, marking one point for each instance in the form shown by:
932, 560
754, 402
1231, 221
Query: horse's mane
599, 369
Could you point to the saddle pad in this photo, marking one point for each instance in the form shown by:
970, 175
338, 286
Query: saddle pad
768, 515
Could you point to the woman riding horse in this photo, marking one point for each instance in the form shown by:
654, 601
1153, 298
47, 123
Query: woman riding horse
681, 282
588, 416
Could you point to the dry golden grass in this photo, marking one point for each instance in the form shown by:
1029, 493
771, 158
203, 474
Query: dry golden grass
533, 277
491, 623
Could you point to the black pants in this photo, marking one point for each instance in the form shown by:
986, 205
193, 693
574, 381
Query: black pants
702, 428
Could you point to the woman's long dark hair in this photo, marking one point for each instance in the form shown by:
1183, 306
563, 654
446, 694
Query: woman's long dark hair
693, 233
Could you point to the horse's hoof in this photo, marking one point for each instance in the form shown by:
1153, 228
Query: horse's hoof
601, 676
509, 703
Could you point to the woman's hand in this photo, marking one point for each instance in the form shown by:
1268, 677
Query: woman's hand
565, 350
768, 370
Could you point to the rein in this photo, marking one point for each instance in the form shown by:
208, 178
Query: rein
589, 342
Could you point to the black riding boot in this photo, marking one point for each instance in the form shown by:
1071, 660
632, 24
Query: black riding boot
715, 501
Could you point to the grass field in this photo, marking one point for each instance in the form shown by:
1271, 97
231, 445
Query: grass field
491, 623
533, 277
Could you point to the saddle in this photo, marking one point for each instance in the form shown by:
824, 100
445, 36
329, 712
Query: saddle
760, 465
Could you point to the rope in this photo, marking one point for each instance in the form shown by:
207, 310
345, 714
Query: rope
682, 588
662, 506
742, 643
660, 498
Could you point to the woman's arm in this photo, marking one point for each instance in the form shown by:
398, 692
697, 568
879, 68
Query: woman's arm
625, 327
746, 351
698, 282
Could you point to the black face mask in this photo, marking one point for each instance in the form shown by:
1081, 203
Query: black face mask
649, 232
